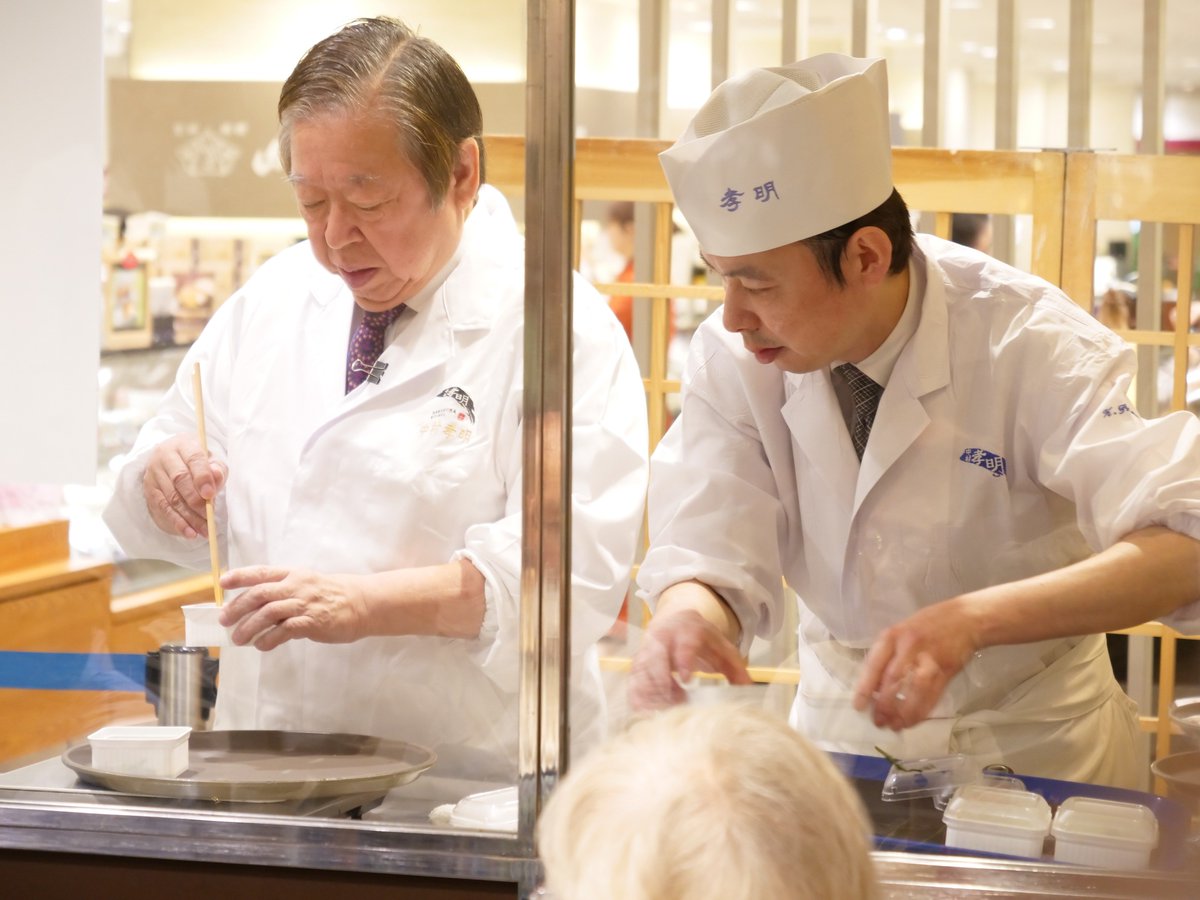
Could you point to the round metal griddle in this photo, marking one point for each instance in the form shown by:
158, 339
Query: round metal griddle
263, 766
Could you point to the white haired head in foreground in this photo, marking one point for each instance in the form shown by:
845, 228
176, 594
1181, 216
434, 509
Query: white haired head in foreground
707, 802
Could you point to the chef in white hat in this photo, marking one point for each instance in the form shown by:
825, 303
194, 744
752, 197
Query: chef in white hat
935, 451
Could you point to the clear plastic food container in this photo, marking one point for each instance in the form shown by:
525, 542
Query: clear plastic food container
937, 777
1107, 833
153, 751
997, 820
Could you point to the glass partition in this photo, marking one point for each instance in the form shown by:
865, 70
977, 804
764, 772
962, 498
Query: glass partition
202, 238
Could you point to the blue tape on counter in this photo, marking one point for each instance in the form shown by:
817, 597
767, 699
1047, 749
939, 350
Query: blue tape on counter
72, 671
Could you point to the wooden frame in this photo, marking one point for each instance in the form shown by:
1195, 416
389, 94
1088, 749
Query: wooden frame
1164, 189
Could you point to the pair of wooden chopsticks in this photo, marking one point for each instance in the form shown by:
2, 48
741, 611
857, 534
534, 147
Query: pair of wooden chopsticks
213, 556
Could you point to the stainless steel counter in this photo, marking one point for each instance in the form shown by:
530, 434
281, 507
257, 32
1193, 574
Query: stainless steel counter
44, 808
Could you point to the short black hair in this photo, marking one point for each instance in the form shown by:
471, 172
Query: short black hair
891, 217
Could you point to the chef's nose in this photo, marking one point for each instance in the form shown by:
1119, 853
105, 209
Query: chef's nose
736, 315
341, 229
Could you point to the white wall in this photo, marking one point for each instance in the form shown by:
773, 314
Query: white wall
51, 67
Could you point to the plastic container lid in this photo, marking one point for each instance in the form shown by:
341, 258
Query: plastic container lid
999, 807
490, 810
1107, 822
936, 776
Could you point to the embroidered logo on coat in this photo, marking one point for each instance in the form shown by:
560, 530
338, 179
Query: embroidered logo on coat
451, 416
986, 459
463, 399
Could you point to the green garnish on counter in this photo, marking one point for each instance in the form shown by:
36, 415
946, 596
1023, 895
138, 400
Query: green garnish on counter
897, 763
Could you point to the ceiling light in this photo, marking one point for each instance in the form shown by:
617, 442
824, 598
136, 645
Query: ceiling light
1039, 24
896, 34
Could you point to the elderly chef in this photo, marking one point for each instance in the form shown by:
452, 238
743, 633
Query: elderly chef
936, 451
369, 497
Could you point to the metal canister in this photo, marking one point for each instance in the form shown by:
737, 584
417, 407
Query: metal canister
181, 683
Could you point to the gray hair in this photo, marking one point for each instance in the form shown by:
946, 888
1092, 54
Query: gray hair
380, 64
707, 803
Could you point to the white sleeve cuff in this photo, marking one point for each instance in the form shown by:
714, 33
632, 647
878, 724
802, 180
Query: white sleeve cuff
485, 641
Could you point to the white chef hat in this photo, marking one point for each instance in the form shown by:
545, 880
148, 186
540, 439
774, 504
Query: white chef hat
782, 154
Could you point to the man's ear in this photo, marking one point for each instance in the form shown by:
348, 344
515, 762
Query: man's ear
464, 177
868, 256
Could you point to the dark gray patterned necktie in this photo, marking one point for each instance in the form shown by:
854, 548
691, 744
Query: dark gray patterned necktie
864, 394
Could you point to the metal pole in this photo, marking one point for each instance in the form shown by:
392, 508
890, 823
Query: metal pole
863, 16
720, 41
1140, 658
1003, 227
545, 545
1079, 76
936, 42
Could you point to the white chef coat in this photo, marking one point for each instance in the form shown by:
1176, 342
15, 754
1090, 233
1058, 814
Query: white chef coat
419, 469
1004, 446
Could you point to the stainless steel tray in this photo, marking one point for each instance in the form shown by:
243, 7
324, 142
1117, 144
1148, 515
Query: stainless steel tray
263, 766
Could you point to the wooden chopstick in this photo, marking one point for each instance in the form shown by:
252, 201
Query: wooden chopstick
214, 556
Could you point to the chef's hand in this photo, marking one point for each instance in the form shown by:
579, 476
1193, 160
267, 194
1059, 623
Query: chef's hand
676, 645
179, 478
278, 605
910, 664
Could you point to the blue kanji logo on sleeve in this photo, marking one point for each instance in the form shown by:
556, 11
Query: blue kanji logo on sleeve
731, 200
1121, 409
986, 459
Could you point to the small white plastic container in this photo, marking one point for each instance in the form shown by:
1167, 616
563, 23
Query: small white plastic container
152, 751
997, 820
489, 811
201, 628
1108, 834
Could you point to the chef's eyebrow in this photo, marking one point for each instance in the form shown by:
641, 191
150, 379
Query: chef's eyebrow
356, 180
754, 273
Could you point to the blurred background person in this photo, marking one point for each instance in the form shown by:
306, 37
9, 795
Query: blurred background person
972, 230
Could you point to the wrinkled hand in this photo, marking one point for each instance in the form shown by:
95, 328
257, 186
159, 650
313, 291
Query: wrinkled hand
281, 604
179, 478
910, 664
677, 644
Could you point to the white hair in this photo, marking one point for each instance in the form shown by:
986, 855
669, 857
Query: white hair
723, 802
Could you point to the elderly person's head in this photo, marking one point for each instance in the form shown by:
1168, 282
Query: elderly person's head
723, 802
380, 136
